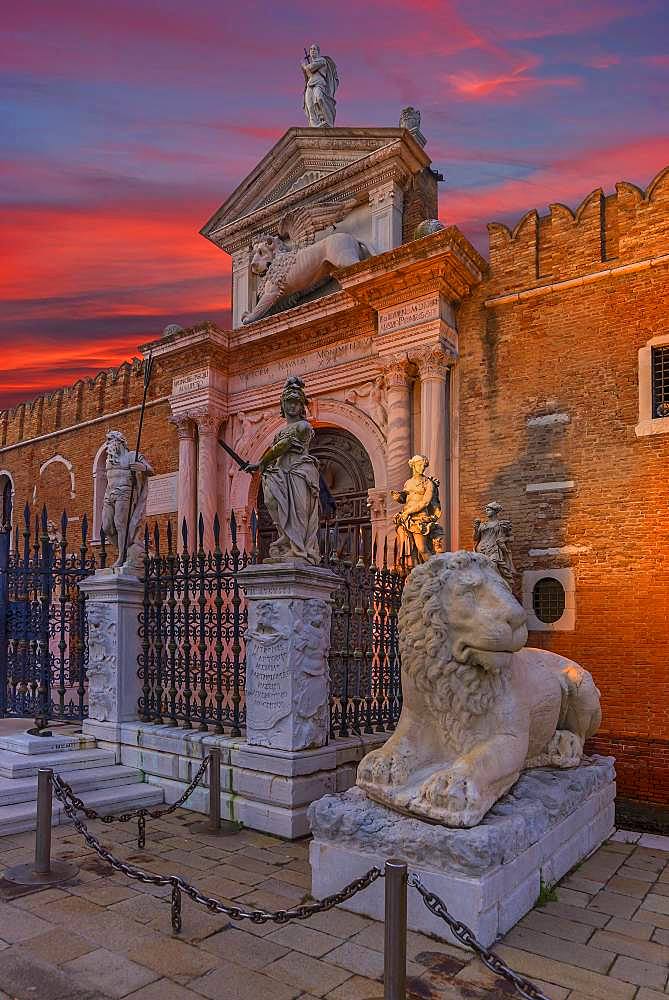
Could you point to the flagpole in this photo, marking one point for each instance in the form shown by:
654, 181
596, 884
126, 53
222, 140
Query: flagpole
148, 365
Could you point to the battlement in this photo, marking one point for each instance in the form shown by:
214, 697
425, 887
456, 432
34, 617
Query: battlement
630, 225
110, 390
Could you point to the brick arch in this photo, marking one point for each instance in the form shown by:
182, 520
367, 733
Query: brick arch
7, 491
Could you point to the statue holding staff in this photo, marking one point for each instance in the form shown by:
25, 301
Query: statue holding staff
320, 83
124, 504
290, 481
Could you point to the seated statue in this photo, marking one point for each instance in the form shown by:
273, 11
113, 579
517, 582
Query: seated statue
417, 525
479, 706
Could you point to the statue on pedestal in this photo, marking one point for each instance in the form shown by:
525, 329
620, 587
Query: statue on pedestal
417, 524
124, 503
320, 83
290, 481
493, 538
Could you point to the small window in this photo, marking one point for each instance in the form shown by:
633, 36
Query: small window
548, 599
660, 377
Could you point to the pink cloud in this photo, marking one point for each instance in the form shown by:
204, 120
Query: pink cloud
474, 87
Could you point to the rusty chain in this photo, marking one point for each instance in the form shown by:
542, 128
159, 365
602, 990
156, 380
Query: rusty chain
139, 814
465, 936
179, 885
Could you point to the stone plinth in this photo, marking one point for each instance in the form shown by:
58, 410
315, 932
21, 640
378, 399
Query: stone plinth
287, 646
489, 876
114, 603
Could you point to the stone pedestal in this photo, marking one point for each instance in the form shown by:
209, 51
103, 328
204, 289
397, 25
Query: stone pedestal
489, 876
115, 600
287, 646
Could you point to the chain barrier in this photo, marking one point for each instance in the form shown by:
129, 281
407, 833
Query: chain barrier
465, 936
139, 814
179, 885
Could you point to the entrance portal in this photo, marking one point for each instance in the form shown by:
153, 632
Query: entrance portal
348, 474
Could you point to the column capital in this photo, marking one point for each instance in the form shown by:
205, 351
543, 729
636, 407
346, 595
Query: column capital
185, 426
397, 372
207, 422
434, 361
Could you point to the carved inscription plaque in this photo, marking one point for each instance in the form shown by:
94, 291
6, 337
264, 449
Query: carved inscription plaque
191, 382
409, 314
161, 497
268, 695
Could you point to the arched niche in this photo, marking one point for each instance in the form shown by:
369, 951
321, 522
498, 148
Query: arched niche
6, 500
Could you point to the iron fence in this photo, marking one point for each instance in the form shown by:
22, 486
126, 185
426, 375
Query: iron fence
43, 648
193, 653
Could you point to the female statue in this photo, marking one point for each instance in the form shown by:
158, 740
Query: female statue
290, 481
417, 524
320, 84
493, 539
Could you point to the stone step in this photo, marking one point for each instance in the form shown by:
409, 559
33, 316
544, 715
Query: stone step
19, 765
15, 790
21, 817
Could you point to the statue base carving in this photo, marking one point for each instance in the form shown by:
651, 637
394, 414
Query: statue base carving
489, 875
287, 646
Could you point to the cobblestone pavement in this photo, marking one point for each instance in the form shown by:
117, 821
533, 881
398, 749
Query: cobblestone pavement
606, 936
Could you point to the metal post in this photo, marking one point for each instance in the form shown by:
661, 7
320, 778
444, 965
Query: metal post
42, 871
395, 946
43, 833
215, 790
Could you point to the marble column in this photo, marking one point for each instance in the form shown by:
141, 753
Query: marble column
241, 278
386, 203
433, 364
208, 425
398, 444
187, 476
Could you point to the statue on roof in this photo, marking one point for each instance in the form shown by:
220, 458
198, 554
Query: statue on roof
320, 84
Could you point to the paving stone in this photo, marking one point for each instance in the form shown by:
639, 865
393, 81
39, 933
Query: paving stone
231, 982
341, 923
244, 949
112, 974
356, 958
661, 936
572, 898
656, 904
101, 894
301, 880
259, 900
311, 975
660, 888
627, 886
548, 923
197, 923
583, 956
164, 989
420, 948
114, 931
173, 958
650, 917
142, 907
582, 884
37, 900
294, 894
58, 946
656, 842
192, 858
615, 904
576, 913
302, 938
19, 925
640, 874
592, 984
641, 973
644, 951
222, 888
646, 994
24, 975
630, 928
357, 988
477, 973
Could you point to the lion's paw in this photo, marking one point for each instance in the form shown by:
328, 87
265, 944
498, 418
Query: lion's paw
565, 749
455, 796
382, 768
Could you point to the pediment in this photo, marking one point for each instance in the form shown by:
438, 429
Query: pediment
301, 158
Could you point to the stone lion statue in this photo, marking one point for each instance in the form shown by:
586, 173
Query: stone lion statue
479, 706
289, 269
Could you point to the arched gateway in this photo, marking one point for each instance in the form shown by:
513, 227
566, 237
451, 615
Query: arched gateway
347, 472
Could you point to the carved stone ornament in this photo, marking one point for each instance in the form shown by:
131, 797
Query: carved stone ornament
397, 373
433, 362
372, 398
479, 707
102, 662
185, 427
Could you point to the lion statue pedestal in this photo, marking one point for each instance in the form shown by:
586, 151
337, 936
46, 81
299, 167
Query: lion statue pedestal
483, 787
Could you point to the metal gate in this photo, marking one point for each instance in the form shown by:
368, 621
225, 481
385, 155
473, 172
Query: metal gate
43, 620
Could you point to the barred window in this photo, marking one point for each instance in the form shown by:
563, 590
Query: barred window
548, 599
660, 380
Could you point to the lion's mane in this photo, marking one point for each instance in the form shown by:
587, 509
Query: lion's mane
454, 691
281, 265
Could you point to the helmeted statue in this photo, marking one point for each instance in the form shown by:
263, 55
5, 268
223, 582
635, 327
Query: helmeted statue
417, 524
122, 467
290, 482
492, 537
320, 83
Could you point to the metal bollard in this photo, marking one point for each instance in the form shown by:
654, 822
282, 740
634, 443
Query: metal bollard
43, 871
214, 790
395, 945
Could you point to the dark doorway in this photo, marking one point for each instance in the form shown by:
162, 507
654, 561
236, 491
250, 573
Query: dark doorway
347, 471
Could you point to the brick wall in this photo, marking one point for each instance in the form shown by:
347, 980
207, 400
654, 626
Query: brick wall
571, 351
421, 202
